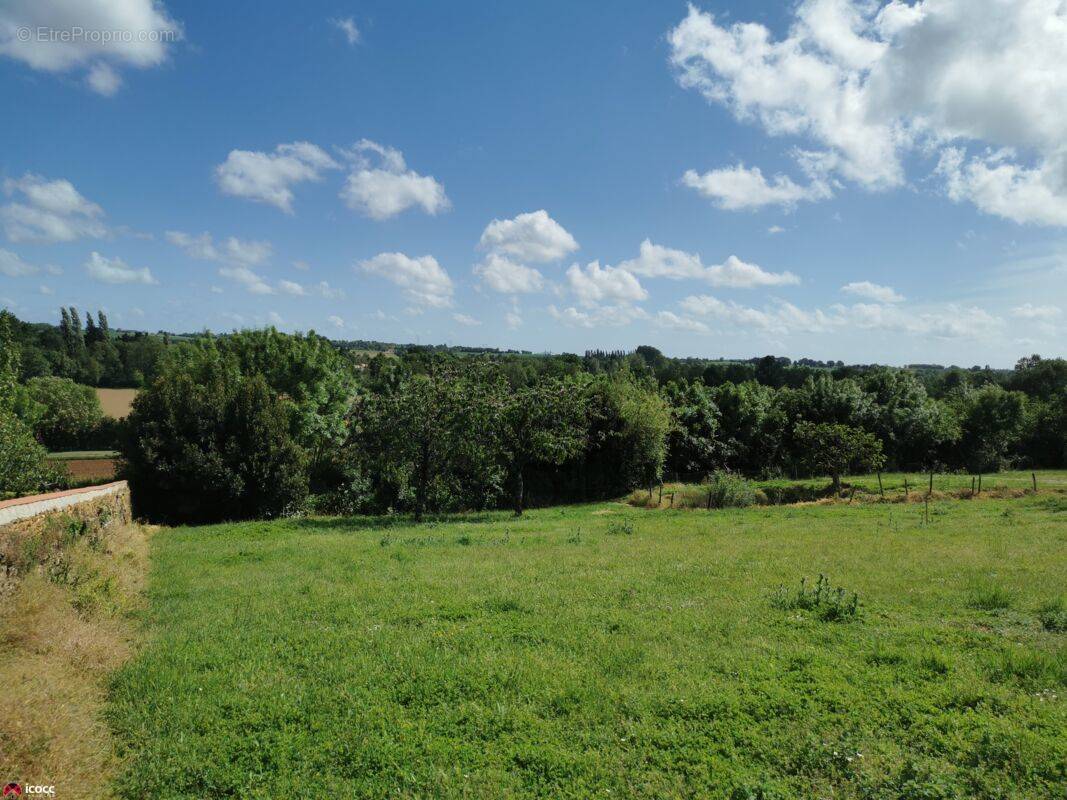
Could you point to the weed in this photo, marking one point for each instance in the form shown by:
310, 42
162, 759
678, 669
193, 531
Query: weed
622, 527
990, 597
828, 603
1053, 616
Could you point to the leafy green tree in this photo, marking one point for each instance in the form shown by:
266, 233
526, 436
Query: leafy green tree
67, 412
752, 425
836, 450
22, 460
208, 443
991, 422
542, 424
694, 449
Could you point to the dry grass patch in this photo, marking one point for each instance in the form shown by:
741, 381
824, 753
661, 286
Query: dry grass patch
64, 627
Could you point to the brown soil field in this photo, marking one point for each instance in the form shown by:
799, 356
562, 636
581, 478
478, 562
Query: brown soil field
95, 469
116, 402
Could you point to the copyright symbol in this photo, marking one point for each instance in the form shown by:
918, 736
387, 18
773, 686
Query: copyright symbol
24, 34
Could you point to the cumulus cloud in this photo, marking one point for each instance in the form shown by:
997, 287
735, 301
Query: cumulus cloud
869, 83
49, 211
946, 321
1030, 311
381, 186
330, 292
336, 321
672, 321
269, 177
741, 189
503, 275
230, 250
247, 278
347, 26
533, 236
291, 288
423, 280
656, 261
595, 284
115, 270
873, 291
98, 35
466, 320
598, 316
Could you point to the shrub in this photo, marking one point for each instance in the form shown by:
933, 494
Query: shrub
828, 604
67, 412
726, 490
212, 449
22, 466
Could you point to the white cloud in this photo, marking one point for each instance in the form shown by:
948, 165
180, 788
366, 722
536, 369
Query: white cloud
598, 316
303, 266
275, 318
385, 189
230, 250
269, 177
99, 35
534, 236
1005, 189
873, 291
46, 290
945, 321
774, 230
656, 261
741, 189
49, 211
513, 319
869, 83
423, 280
595, 284
115, 270
1030, 311
464, 319
247, 278
347, 26
672, 321
103, 79
336, 321
329, 292
291, 288
12, 265
504, 275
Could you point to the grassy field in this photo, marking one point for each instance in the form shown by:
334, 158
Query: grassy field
606, 651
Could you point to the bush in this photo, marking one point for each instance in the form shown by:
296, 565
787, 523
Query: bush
727, 490
67, 412
213, 449
22, 466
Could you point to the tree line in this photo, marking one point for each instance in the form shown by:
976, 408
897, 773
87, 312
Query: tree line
261, 423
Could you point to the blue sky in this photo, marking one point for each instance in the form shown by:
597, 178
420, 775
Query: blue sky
347, 162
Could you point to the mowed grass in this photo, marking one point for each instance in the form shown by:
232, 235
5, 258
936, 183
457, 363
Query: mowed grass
606, 651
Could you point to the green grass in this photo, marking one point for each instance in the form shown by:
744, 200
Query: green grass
606, 651
83, 455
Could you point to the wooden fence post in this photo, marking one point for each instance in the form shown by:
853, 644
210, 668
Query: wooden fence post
881, 491
930, 491
1034, 476
905, 487
972, 486
979, 483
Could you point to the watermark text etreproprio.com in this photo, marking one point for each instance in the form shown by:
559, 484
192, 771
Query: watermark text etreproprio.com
78, 34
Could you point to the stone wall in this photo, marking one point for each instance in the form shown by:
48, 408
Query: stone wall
34, 530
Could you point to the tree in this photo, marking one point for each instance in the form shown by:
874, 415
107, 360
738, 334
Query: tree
22, 460
990, 420
835, 450
414, 436
542, 424
68, 412
212, 445
694, 449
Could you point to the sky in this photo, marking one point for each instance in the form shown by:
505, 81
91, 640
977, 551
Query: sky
832, 179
